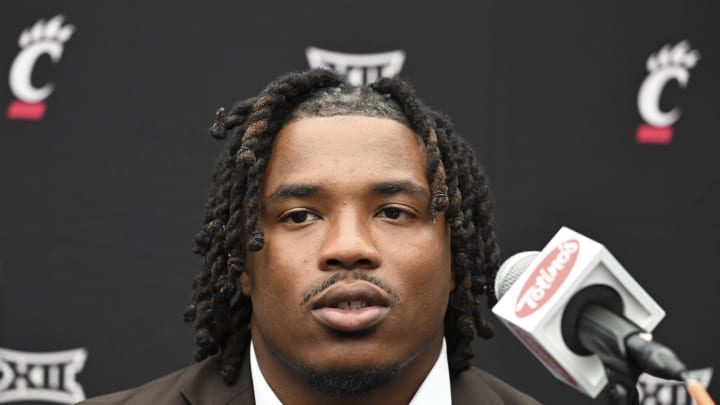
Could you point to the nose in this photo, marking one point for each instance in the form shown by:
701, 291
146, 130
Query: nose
349, 244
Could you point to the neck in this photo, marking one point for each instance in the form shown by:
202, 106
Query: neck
291, 385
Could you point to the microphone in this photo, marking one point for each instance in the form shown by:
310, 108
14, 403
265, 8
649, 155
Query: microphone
581, 314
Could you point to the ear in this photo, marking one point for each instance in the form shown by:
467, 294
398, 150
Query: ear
245, 283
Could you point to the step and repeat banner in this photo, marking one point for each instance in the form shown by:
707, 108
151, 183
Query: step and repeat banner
599, 116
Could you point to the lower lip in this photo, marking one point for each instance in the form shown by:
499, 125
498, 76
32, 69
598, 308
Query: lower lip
350, 321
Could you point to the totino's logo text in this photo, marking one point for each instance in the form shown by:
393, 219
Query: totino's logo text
670, 63
358, 69
547, 277
43, 38
49, 377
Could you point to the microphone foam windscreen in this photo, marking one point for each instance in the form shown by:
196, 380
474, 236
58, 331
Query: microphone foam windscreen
511, 270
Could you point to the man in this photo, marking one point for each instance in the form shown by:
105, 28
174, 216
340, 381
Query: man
348, 240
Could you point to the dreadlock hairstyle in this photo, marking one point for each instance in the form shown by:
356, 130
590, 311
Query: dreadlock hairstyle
221, 314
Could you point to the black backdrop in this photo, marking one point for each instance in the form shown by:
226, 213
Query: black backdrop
100, 198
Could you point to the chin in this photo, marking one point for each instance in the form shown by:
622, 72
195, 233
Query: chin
356, 374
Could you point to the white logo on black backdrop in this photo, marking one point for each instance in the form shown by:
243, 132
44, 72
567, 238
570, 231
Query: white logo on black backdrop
658, 391
48, 376
359, 69
670, 63
43, 38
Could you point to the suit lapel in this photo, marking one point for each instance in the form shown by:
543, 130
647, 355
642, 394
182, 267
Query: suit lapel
472, 391
204, 385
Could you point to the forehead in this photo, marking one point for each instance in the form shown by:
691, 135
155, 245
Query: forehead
345, 148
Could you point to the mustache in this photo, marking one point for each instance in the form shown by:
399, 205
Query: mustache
348, 275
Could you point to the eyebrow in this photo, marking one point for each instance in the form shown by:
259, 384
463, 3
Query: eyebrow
398, 187
297, 191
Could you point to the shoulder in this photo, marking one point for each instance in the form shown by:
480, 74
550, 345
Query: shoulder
164, 390
200, 383
475, 385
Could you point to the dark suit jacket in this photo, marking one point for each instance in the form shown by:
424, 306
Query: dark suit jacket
201, 384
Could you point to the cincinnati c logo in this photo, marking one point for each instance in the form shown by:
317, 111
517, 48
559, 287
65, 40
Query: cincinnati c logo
358, 69
50, 377
43, 38
666, 65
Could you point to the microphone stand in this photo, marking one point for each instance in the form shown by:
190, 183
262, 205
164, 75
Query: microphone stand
626, 351
621, 388
604, 333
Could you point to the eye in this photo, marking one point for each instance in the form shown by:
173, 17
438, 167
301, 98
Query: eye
395, 213
298, 217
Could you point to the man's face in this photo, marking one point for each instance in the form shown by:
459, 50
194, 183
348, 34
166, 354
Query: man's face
354, 274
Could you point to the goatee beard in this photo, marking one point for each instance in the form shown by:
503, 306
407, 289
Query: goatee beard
351, 383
